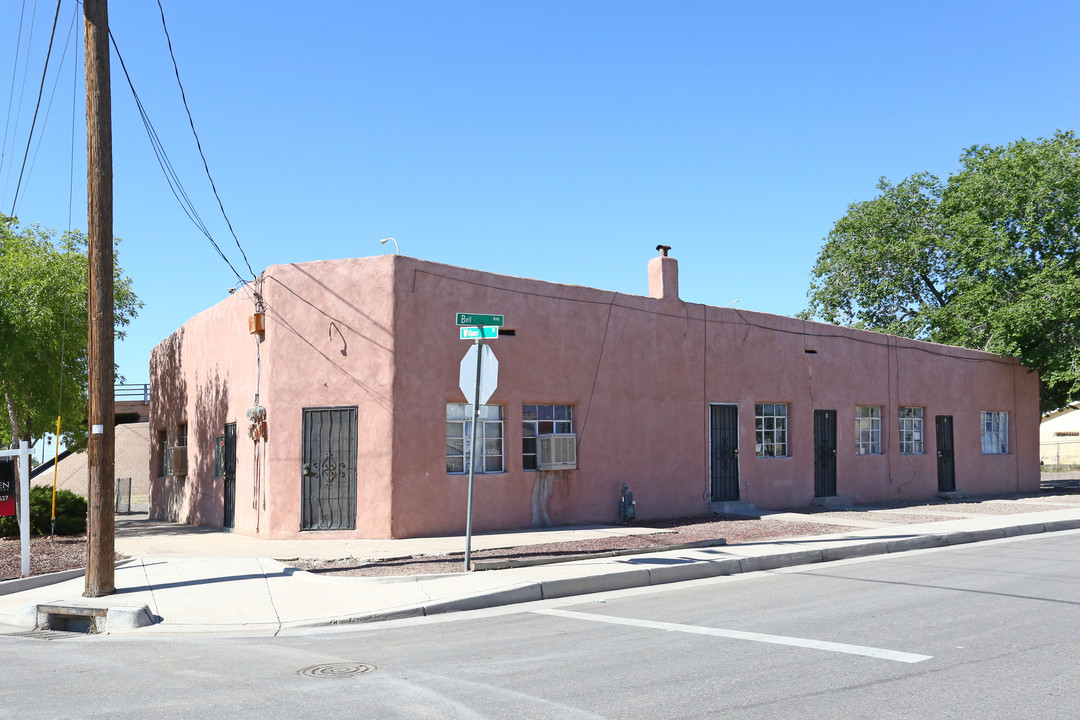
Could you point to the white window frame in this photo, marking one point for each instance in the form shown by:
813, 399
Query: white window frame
771, 430
912, 424
994, 428
490, 436
867, 429
542, 419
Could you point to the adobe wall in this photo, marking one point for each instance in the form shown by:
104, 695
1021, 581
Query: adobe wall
202, 375
313, 365
205, 374
641, 373
379, 334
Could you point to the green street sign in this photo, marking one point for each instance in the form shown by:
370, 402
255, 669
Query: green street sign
475, 319
488, 332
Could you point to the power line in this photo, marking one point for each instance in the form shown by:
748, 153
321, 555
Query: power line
11, 91
191, 122
52, 95
37, 106
171, 176
22, 89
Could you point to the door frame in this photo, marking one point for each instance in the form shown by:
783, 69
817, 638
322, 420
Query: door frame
946, 463
228, 476
709, 432
340, 511
825, 486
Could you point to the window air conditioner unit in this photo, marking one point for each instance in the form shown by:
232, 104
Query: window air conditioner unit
556, 452
178, 460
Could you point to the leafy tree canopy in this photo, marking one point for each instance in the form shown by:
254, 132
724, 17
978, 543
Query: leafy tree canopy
43, 331
989, 259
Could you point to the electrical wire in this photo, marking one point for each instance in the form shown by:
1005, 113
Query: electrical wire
173, 179
37, 106
11, 91
74, 103
191, 122
52, 96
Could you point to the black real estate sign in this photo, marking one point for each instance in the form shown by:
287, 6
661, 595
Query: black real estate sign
7, 487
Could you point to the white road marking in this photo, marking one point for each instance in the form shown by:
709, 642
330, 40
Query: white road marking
878, 653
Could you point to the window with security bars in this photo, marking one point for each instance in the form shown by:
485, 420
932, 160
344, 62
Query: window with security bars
995, 433
911, 431
489, 438
542, 420
771, 429
867, 430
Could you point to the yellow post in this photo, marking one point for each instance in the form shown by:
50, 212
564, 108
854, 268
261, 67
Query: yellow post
52, 527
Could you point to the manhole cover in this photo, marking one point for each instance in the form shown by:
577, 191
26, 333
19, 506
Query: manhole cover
337, 670
48, 634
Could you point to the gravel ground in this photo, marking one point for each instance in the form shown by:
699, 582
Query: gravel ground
65, 553
47, 555
677, 532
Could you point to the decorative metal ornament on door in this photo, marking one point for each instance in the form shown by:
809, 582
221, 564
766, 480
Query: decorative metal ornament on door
328, 469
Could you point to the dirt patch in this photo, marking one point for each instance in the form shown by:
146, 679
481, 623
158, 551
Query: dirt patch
47, 555
676, 532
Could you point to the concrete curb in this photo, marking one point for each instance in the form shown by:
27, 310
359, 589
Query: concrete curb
7, 587
680, 571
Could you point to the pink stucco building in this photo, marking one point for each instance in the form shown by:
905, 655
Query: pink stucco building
344, 414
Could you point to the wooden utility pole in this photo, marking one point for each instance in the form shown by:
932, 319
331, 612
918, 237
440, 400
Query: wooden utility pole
100, 530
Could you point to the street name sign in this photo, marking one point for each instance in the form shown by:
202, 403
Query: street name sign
477, 319
488, 332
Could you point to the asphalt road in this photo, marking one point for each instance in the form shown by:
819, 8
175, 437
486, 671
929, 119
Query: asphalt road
977, 631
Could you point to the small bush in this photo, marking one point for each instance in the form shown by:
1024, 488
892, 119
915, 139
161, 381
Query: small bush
70, 513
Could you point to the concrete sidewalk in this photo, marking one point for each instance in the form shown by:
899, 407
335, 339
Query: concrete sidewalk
228, 583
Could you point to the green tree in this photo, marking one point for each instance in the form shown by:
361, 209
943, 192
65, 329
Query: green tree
989, 259
43, 335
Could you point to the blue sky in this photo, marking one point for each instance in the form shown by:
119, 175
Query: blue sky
556, 140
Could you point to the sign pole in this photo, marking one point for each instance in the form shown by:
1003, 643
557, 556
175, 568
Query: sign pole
472, 456
24, 505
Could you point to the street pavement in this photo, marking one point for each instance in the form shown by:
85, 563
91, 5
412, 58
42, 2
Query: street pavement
184, 579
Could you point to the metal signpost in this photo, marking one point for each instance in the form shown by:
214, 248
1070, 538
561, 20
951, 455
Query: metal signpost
486, 378
23, 453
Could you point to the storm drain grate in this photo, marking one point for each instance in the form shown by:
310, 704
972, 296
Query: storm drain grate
48, 634
337, 670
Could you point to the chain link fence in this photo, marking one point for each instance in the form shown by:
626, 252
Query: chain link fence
129, 501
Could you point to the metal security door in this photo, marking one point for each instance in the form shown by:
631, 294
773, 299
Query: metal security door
328, 469
824, 453
228, 457
946, 464
724, 450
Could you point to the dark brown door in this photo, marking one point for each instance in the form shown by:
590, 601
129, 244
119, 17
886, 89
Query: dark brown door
328, 469
228, 458
946, 464
824, 453
724, 442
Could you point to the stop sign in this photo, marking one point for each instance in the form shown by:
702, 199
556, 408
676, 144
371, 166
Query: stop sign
489, 374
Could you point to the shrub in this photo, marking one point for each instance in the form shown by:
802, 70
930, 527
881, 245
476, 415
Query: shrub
70, 513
